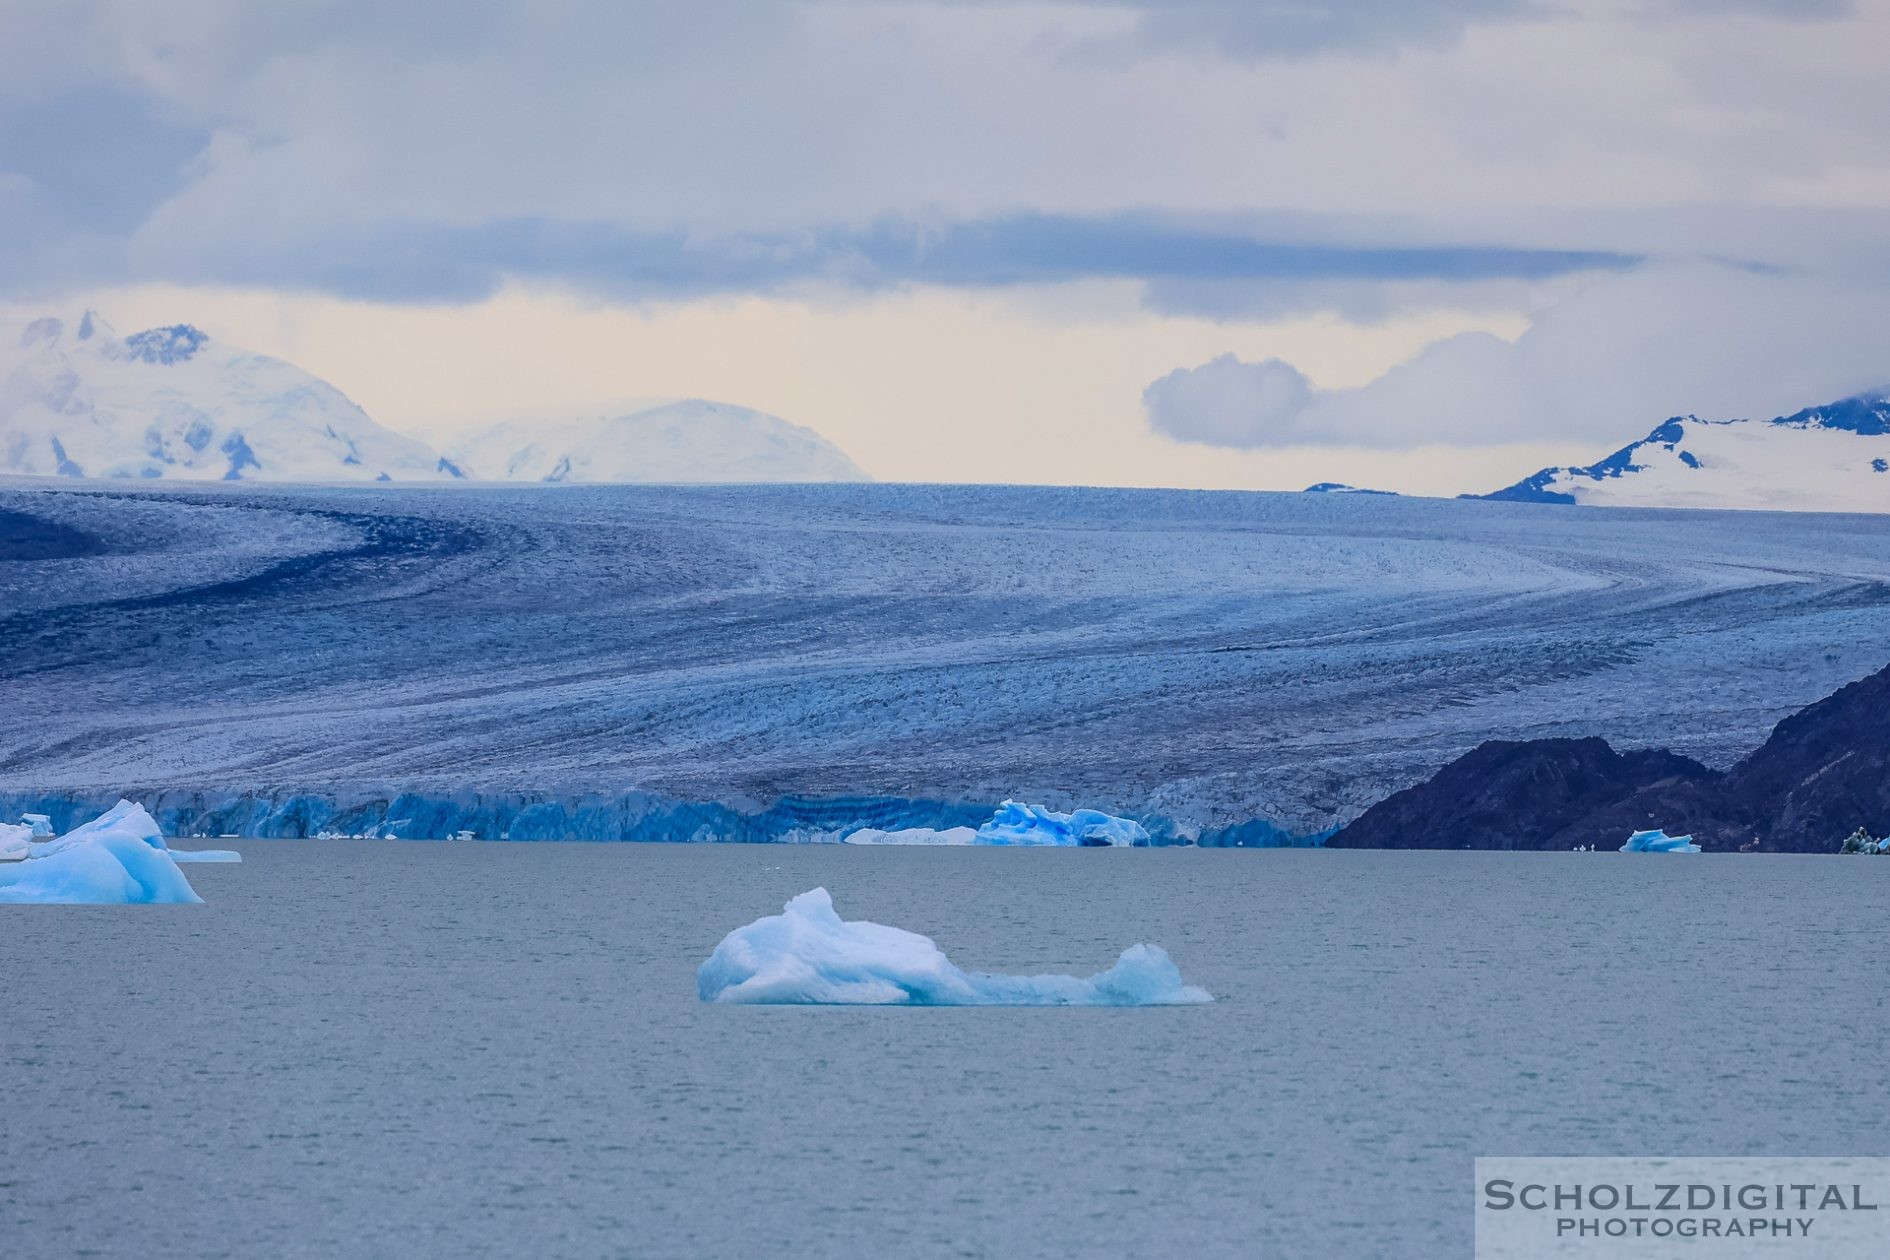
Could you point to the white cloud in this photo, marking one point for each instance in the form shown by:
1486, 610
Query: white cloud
1226, 402
1604, 365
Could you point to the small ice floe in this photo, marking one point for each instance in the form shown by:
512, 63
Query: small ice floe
809, 955
118, 858
1861, 841
1658, 841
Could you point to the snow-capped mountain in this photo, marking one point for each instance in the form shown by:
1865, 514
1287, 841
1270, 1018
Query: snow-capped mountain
1822, 459
688, 441
1340, 487
80, 401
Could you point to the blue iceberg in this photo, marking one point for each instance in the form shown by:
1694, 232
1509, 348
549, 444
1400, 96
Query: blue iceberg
109, 870
119, 858
1018, 824
1658, 841
809, 955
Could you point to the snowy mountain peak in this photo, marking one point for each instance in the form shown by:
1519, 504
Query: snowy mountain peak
77, 400
170, 402
691, 440
45, 331
1834, 458
1867, 415
169, 345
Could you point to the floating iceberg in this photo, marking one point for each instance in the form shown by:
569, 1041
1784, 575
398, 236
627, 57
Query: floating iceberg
38, 824
1658, 841
1861, 841
911, 835
119, 858
130, 820
14, 841
111, 869
808, 955
1032, 824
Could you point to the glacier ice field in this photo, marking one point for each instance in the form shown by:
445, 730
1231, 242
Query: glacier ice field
798, 662
809, 956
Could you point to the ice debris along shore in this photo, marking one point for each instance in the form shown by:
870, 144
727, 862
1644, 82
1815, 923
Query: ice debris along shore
119, 858
1861, 841
1015, 824
1658, 841
809, 956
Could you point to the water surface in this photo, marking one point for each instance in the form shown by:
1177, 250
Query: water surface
496, 1050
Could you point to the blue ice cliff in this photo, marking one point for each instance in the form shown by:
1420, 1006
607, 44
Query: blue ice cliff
1658, 841
1021, 825
809, 956
1032, 824
119, 858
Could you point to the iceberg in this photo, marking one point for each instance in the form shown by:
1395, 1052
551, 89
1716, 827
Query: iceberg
1658, 841
38, 824
119, 858
110, 869
809, 955
131, 821
1018, 824
1861, 841
14, 840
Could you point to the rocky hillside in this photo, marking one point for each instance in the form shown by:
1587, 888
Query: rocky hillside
1824, 772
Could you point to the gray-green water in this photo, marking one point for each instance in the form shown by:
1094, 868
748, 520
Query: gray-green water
496, 1050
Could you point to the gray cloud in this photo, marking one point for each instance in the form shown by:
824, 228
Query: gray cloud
1226, 402
1264, 29
648, 149
1607, 363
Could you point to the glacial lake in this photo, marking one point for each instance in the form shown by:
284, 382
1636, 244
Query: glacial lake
414, 1049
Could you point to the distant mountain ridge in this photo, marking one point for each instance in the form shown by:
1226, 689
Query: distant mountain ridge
1830, 458
687, 441
77, 400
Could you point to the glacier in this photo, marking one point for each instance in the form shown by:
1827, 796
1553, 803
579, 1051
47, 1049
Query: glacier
1658, 841
776, 662
809, 955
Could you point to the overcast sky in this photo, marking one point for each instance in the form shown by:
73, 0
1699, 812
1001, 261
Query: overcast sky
1429, 246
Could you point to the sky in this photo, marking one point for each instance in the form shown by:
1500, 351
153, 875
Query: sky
1223, 243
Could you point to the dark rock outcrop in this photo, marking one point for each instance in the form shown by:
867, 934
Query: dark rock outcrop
1516, 795
1824, 772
